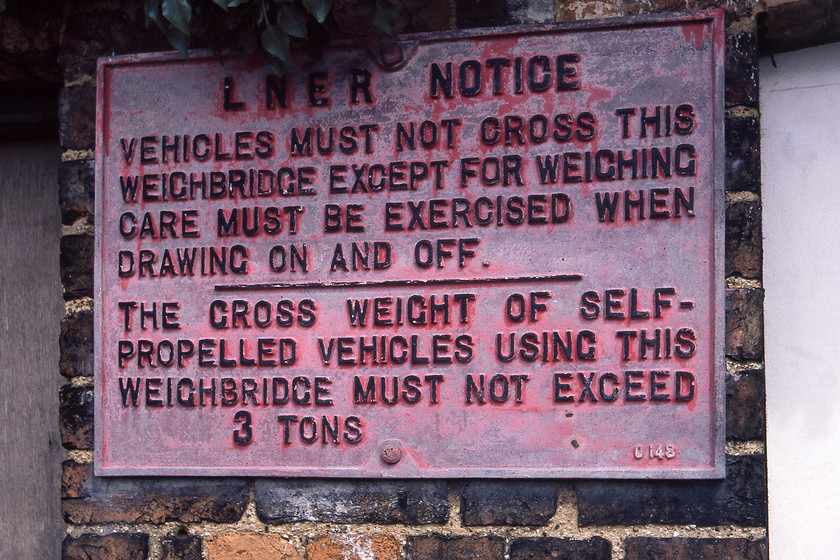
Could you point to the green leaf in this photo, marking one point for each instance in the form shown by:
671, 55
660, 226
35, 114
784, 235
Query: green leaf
178, 13
277, 66
319, 38
292, 20
318, 8
152, 13
385, 16
276, 43
223, 4
181, 41
248, 40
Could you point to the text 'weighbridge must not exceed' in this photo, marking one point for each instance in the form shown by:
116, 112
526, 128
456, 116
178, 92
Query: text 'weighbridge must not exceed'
462, 254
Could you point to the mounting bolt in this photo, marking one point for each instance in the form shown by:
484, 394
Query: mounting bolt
392, 55
391, 454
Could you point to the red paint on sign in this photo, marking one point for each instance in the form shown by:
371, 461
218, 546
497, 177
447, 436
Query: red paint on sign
503, 258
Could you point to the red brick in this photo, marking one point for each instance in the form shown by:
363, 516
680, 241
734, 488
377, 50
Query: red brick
251, 546
352, 547
74, 478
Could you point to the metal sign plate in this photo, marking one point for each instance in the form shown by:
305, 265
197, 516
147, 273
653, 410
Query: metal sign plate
490, 253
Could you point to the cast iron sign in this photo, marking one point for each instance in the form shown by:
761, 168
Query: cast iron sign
484, 253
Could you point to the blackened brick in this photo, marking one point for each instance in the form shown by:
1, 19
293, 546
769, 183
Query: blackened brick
741, 69
645, 548
743, 239
116, 546
76, 344
745, 405
530, 11
574, 11
743, 162
740, 499
733, 11
789, 26
149, 499
412, 16
745, 324
508, 502
95, 28
76, 417
480, 13
340, 501
666, 5
77, 117
29, 35
180, 548
551, 548
76, 261
75, 190
436, 547
77, 57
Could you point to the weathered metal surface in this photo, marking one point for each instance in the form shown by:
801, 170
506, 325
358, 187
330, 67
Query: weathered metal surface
497, 254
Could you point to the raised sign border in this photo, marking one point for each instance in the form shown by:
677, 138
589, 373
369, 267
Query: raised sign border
716, 20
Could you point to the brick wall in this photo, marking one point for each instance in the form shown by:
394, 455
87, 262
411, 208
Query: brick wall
227, 518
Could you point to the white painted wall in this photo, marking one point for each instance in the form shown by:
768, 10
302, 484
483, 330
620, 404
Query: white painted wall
800, 175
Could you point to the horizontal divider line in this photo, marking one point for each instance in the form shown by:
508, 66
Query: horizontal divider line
413, 282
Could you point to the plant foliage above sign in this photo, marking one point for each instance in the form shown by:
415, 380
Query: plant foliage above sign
271, 25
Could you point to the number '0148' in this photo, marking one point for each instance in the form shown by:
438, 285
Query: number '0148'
655, 451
